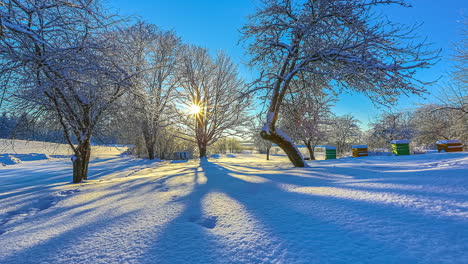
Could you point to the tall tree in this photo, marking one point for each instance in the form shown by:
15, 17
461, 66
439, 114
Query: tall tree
306, 113
210, 88
343, 42
344, 130
390, 126
153, 55
62, 61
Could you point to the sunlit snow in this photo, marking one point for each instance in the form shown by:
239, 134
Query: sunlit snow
237, 209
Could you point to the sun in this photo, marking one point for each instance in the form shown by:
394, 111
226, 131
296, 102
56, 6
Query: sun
194, 109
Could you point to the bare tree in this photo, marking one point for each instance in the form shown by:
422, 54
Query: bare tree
210, 90
62, 61
448, 117
432, 123
390, 126
460, 75
344, 130
454, 94
306, 113
263, 146
343, 42
153, 56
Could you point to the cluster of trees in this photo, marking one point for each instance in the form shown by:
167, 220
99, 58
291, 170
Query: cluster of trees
89, 71
322, 44
445, 119
424, 125
25, 126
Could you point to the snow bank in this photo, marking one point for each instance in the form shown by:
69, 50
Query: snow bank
12, 159
452, 141
36, 150
7, 159
359, 146
403, 141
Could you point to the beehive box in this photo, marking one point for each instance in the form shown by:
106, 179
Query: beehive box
400, 147
360, 151
324, 152
453, 145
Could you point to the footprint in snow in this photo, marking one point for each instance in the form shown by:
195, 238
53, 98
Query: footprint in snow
39, 205
66, 192
206, 222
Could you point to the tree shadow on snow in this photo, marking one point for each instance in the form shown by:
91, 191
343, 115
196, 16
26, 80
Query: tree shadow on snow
354, 226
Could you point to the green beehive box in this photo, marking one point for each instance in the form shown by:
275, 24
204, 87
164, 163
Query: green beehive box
324, 152
400, 147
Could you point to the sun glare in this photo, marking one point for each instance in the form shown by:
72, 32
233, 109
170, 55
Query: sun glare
194, 109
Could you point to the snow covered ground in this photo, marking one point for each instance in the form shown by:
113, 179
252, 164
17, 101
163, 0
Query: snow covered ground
23, 147
238, 209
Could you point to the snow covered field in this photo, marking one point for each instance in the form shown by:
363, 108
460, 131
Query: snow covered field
237, 209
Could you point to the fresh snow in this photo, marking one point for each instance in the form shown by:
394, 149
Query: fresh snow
237, 209
359, 146
402, 141
35, 148
449, 141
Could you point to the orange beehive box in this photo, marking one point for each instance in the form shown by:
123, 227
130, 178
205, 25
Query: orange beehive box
449, 145
359, 151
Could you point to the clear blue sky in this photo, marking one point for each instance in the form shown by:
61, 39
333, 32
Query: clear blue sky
215, 24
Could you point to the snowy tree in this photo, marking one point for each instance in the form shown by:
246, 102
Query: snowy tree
152, 54
343, 132
448, 117
263, 146
306, 113
432, 123
390, 126
62, 60
341, 41
7, 125
460, 75
454, 94
227, 145
210, 91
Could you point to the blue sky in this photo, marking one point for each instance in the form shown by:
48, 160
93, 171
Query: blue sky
215, 24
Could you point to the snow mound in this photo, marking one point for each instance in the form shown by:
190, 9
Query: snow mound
7, 159
448, 141
13, 159
403, 141
359, 146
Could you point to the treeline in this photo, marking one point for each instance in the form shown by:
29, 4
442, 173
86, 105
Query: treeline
309, 120
423, 126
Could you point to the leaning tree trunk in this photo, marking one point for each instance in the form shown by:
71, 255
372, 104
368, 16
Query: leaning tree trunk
270, 132
287, 146
268, 154
81, 161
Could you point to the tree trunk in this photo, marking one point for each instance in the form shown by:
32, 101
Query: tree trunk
268, 154
81, 161
150, 150
287, 146
202, 149
310, 149
149, 136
